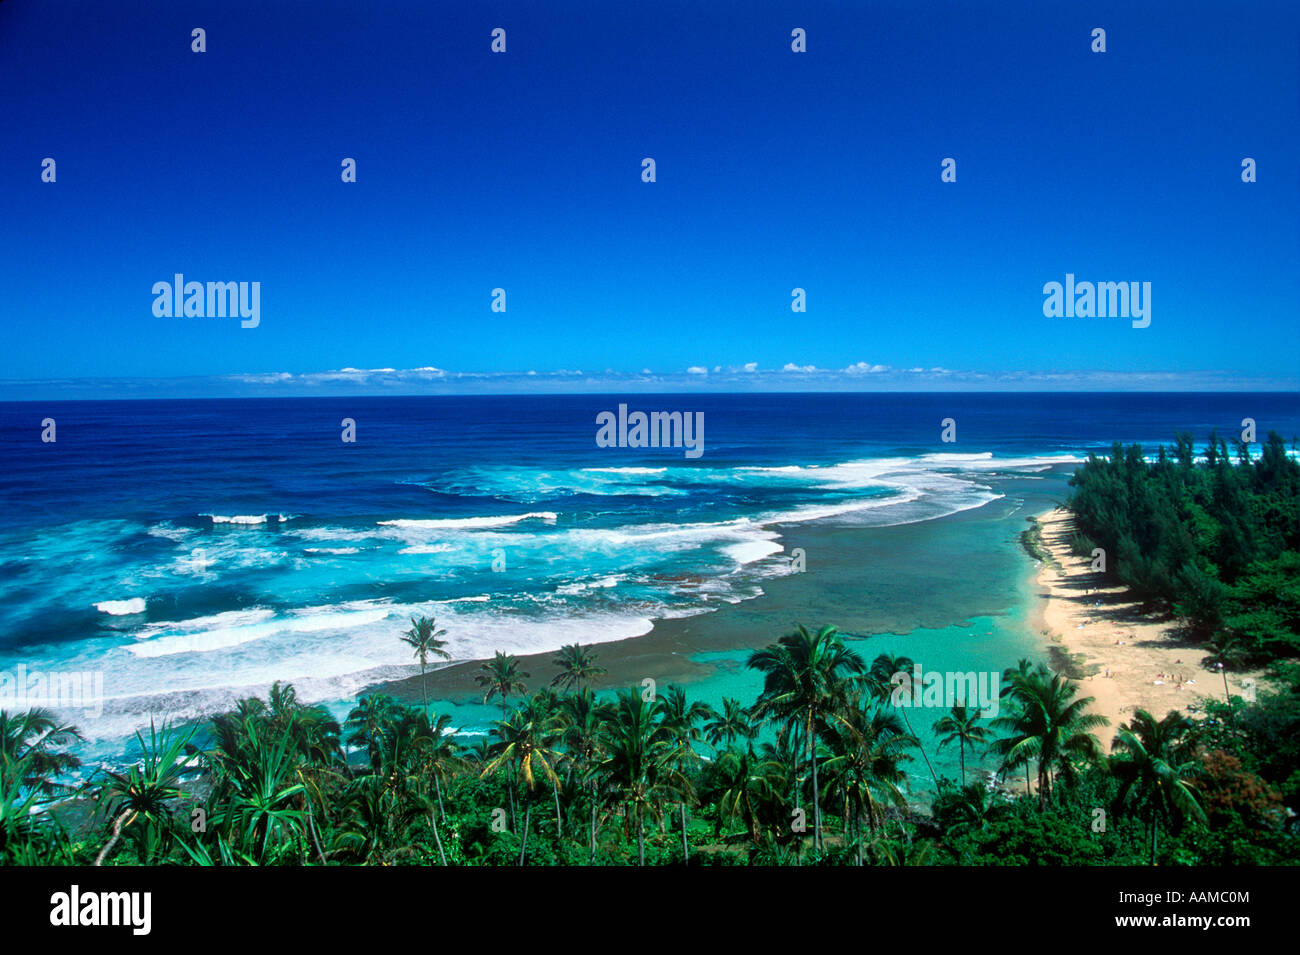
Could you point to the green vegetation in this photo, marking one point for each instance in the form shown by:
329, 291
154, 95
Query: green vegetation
814, 772
1031, 539
1216, 542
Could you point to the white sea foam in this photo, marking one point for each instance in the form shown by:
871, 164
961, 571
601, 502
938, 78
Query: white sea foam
120, 608
236, 519
986, 461
453, 523
193, 668
582, 586
202, 665
747, 552
226, 553
624, 470
228, 618
426, 549
346, 535
313, 620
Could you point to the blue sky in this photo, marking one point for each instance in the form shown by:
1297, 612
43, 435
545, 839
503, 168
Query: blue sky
775, 170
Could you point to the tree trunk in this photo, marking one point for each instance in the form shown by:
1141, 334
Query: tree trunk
798, 785
523, 846
962, 748
559, 824
437, 786
686, 849
1155, 832
311, 827
640, 840
817, 806
593, 825
438, 839
510, 788
921, 747
117, 834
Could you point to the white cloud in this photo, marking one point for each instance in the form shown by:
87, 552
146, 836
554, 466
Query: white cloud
859, 376
270, 378
862, 368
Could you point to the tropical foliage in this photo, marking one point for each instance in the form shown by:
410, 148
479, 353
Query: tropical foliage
1215, 539
821, 768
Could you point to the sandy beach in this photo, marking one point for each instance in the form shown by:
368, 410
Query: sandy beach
1126, 660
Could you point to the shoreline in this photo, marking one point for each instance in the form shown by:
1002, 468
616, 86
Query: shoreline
874, 582
1122, 658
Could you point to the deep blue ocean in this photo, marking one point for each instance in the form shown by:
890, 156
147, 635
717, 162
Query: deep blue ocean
194, 551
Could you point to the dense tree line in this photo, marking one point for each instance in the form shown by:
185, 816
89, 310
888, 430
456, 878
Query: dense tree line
1215, 540
817, 770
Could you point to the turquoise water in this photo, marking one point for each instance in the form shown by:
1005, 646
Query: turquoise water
187, 554
889, 590
982, 644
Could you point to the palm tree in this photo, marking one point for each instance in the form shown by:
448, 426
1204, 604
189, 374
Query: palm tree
583, 721
544, 709
501, 677
417, 753
368, 723
880, 680
805, 685
966, 808
441, 755
524, 745
863, 771
1153, 762
1023, 670
962, 727
1051, 727
577, 667
423, 636
752, 793
31, 749
679, 721
639, 766
380, 813
732, 724
385, 804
